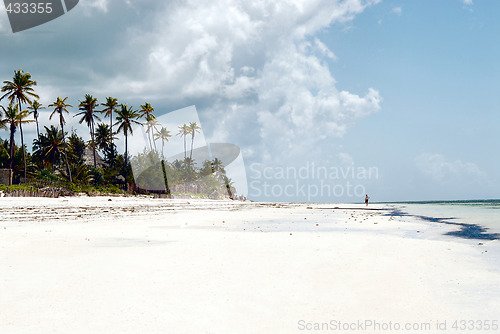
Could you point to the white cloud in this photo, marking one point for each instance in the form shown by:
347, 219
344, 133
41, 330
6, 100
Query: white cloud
442, 170
256, 69
4, 21
397, 10
100, 5
467, 2
346, 159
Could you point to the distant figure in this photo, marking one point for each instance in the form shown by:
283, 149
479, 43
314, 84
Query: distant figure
366, 199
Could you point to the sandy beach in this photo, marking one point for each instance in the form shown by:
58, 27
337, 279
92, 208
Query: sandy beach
144, 265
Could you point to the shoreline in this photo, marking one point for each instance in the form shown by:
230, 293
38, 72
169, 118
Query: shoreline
123, 264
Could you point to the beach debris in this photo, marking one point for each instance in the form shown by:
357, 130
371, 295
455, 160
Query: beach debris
317, 224
290, 233
375, 223
309, 207
480, 244
109, 199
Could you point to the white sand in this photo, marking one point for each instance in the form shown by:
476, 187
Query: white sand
90, 265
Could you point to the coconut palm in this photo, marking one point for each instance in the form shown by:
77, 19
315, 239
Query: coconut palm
75, 149
49, 147
184, 131
88, 105
146, 112
14, 119
11, 117
21, 119
80, 173
193, 127
163, 134
127, 116
20, 89
111, 105
35, 106
151, 124
61, 106
104, 137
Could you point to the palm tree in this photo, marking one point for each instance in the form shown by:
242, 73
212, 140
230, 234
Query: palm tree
35, 106
163, 134
220, 172
193, 127
14, 118
127, 116
152, 123
50, 146
147, 112
20, 120
104, 137
20, 89
111, 105
80, 173
11, 117
88, 106
60, 105
184, 131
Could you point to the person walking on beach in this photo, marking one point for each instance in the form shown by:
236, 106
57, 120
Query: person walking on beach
366, 199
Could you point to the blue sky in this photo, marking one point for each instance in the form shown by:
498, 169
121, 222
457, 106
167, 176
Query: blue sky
406, 87
437, 69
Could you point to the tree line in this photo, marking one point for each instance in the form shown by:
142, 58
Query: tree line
60, 157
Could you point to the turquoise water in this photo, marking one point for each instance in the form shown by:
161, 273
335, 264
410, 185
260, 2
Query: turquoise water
472, 219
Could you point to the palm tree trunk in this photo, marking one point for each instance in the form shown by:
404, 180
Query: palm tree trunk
24, 151
185, 151
149, 138
65, 155
192, 142
167, 188
22, 137
12, 146
187, 165
36, 120
154, 144
126, 152
93, 143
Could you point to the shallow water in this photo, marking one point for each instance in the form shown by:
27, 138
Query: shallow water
474, 219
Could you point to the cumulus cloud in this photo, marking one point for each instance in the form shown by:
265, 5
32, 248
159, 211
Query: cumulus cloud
256, 70
467, 2
442, 170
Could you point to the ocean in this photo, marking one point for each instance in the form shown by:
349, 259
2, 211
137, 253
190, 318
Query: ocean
478, 219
